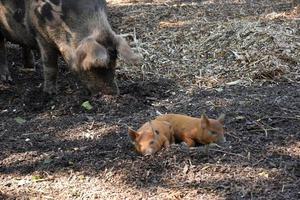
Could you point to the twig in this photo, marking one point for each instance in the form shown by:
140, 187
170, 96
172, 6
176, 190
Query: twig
290, 110
257, 162
92, 125
259, 130
232, 135
279, 117
136, 42
261, 126
222, 151
126, 35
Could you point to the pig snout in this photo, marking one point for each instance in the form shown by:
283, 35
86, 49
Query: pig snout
100, 81
96, 67
90, 54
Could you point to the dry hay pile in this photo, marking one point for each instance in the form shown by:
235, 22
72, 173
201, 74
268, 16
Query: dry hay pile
193, 48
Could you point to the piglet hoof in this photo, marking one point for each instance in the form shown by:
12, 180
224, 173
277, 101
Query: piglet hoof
185, 146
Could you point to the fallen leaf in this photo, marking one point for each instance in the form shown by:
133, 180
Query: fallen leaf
47, 161
219, 89
205, 167
235, 82
36, 178
87, 105
240, 117
20, 120
264, 174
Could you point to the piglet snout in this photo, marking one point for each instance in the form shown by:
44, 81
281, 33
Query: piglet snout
221, 140
149, 152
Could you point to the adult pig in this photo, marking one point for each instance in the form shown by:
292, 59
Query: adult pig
77, 30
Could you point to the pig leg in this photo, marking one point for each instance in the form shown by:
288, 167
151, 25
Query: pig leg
28, 59
4, 72
49, 58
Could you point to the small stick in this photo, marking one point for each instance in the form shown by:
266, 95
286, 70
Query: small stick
92, 125
232, 135
262, 127
234, 154
136, 41
279, 117
126, 34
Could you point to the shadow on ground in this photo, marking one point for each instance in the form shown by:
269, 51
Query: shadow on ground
259, 121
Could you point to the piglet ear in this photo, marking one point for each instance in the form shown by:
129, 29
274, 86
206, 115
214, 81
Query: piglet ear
221, 119
133, 134
204, 121
126, 52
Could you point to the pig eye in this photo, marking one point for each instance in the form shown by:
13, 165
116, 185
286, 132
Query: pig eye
157, 132
152, 142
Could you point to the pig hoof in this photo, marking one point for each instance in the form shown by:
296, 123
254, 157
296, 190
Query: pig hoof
47, 98
50, 91
5, 74
6, 78
50, 87
27, 69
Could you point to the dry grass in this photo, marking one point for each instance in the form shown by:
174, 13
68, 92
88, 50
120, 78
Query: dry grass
198, 44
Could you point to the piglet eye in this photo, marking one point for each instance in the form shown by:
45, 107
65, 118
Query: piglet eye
212, 133
152, 142
157, 132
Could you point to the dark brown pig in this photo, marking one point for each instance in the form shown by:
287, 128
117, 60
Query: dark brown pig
12, 28
77, 30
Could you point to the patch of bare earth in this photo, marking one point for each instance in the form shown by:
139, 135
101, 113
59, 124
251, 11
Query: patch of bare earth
240, 58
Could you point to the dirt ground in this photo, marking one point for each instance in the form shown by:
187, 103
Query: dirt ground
53, 148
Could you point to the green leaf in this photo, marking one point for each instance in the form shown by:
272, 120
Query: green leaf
219, 89
20, 120
47, 161
87, 105
36, 178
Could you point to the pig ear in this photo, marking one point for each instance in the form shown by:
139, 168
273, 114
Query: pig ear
133, 134
221, 119
204, 121
126, 52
